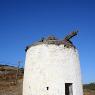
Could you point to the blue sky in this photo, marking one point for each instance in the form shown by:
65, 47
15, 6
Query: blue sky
23, 22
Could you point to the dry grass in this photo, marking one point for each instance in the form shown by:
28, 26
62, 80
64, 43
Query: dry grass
9, 88
89, 92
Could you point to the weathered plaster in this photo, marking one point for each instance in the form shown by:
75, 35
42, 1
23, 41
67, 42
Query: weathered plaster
51, 66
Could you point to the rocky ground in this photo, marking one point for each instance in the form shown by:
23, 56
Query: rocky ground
10, 88
89, 92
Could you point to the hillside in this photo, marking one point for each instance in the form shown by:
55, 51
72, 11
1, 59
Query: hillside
89, 89
11, 80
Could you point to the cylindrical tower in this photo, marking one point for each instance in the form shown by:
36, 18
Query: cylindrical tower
52, 68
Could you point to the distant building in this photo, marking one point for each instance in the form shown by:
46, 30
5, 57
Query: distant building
52, 68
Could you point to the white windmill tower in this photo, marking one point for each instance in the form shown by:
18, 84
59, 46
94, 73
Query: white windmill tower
52, 68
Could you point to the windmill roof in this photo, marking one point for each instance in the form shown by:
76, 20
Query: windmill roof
53, 40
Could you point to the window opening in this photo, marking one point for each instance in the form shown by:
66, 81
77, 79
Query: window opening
47, 88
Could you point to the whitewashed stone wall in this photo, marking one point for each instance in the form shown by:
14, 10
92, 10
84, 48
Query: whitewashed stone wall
51, 66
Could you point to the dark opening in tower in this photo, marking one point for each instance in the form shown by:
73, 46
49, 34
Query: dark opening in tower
68, 89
